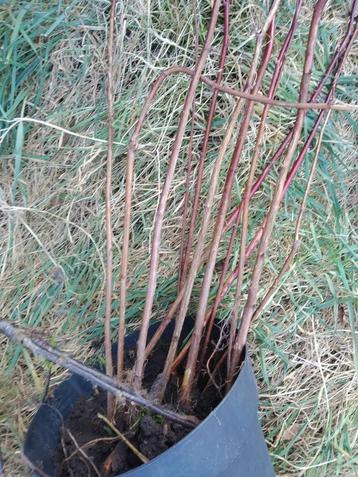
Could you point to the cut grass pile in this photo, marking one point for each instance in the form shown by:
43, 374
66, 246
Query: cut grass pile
52, 235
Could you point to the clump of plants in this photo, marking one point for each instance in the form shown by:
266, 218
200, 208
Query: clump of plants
207, 355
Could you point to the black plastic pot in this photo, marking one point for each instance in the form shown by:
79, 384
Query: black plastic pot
228, 443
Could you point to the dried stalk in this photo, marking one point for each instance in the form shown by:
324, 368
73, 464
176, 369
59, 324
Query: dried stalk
109, 232
135, 451
83, 453
158, 221
266, 234
41, 348
200, 317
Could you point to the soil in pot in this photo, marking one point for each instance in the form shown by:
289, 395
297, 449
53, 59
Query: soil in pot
89, 448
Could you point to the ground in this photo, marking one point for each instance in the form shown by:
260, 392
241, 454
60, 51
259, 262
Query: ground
53, 130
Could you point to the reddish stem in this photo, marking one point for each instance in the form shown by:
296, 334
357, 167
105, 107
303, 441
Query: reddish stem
336, 58
184, 246
247, 193
274, 207
339, 55
158, 221
201, 313
205, 143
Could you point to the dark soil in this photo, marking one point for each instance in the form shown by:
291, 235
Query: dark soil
101, 452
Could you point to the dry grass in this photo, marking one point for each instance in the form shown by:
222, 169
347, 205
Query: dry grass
52, 211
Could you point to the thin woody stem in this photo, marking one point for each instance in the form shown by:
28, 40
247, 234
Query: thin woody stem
337, 58
124, 257
216, 86
212, 314
256, 98
340, 55
266, 234
274, 83
159, 216
169, 316
245, 210
196, 262
234, 216
184, 240
309, 140
109, 232
133, 146
41, 348
205, 142
202, 234
229, 281
259, 98
201, 313
247, 192
204, 146
296, 241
